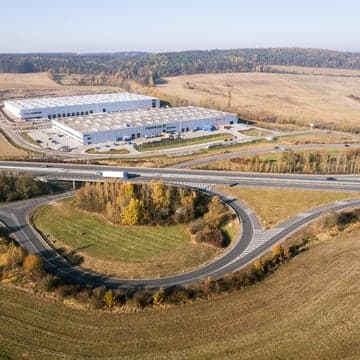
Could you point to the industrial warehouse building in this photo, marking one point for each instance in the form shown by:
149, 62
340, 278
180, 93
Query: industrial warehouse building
61, 107
100, 128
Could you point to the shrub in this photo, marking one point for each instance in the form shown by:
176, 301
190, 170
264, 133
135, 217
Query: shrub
196, 225
158, 297
109, 299
211, 236
15, 256
141, 299
33, 264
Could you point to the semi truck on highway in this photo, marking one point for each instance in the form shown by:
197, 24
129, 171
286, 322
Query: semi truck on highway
113, 174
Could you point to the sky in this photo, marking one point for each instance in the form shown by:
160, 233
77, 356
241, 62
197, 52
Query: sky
164, 25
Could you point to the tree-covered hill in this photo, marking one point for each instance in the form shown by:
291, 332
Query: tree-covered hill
149, 68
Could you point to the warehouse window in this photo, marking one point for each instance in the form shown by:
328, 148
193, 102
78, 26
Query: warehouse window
64, 115
73, 114
91, 111
154, 103
49, 117
82, 113
138, 135
86, 113
68, 114
231, 122
54, 116
59, 115
104, 110
77, 114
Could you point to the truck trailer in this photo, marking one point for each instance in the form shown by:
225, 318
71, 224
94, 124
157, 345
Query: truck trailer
111, 174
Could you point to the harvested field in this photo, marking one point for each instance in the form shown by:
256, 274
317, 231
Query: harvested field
305, 310
292, 97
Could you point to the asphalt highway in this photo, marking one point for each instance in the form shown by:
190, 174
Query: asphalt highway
203, 178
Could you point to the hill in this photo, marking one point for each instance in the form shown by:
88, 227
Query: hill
307, 309
149, 68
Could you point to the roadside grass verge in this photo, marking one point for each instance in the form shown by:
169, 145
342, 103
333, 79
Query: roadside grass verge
124, 251
276, 205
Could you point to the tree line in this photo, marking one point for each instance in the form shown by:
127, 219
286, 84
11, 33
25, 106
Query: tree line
14, 187
150, 68
155, 203
345, 162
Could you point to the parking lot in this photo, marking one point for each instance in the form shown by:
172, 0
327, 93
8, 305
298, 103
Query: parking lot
55, 140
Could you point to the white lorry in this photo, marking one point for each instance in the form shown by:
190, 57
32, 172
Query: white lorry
113, 174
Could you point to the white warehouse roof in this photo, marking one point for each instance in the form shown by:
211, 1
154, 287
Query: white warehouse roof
137, 118
46, 102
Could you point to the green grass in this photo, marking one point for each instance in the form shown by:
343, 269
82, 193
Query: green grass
168, 144
305, 310
131, 251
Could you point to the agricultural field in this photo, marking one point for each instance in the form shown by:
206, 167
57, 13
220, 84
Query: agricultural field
305, 70
124, 251
303, 310
40, 84
293, 97
276, 205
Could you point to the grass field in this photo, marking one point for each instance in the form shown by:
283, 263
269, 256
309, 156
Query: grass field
305, 310
183, 142
138, 251
305, 98
276, 205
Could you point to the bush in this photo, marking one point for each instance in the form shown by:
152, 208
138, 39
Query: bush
109, 299
15, 256
210, 236
50, 282
196, 226
141, 299
33, 265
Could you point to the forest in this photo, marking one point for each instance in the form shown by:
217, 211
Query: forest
150, 68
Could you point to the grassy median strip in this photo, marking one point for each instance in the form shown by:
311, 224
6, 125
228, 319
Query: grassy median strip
168, 144
127, 251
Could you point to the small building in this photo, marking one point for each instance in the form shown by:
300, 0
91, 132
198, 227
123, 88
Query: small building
66, 106
100, 128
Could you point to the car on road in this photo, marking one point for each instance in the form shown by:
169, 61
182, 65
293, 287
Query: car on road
330, 178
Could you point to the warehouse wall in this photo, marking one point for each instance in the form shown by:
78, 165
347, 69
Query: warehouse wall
58, 112
156, 129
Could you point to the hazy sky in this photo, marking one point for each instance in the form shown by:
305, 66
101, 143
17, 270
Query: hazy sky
159, 25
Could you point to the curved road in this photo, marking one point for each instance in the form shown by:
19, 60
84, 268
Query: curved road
251, 243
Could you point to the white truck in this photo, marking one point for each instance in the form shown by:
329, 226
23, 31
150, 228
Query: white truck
113, 174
